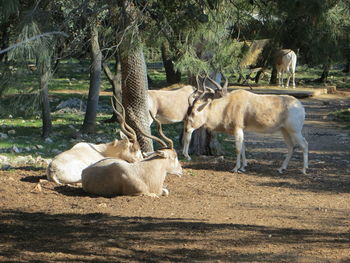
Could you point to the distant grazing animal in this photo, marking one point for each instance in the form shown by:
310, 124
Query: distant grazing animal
67, 166
285, 62
242, 110
111, 177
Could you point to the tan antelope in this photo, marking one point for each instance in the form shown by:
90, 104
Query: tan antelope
67, 166
170, 106
285, 62
111, 177
242, 110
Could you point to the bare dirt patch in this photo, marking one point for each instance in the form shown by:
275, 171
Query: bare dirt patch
211, 215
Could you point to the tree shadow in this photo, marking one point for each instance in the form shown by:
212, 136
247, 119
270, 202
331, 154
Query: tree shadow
99, 237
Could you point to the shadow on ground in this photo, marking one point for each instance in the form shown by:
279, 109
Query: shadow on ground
100, 237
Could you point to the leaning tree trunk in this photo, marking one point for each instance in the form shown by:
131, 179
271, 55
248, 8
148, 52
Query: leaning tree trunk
89, 125
45, 103
172, 76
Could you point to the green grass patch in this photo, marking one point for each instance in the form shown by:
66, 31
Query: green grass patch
342, 115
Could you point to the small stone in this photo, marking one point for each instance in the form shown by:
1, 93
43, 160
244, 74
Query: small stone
3, 136
11, 132
15, 149
48, 140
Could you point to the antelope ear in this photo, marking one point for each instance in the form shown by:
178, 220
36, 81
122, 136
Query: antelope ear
123, 136
204, 105
115, 142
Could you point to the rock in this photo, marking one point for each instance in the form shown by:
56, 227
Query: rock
3, 159
39, 147
11, 132
48, 140
15, 149
3, 136
23, 160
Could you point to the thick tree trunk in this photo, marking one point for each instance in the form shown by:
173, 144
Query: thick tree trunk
134, 94
134, 78
45, 103
89, 125
172, 76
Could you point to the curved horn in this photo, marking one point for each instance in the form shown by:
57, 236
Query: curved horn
217, 85
127, 126
161, 142
160, 130
123, 124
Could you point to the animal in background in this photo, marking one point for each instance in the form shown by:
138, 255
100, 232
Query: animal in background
285, 62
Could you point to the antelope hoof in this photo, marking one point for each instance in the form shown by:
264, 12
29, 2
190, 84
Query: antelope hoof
165, 192
281, 170
188, 158
304, 171
235, 170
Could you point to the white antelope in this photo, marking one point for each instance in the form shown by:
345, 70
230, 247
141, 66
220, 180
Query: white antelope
170, 106
67, 166
242, 110
111, 177
285, 62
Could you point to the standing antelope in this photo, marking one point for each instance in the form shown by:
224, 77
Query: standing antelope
170, 106
242, 110
285, 61
110, 177
67, 166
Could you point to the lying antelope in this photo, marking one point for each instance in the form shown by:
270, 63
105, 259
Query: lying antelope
242, 110
66, 167
111, 177
285, 61
170, 106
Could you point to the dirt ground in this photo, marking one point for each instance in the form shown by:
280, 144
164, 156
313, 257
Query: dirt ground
211, 215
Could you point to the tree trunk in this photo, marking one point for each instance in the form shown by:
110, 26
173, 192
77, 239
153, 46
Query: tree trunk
134, 78
89, 125
5, 39
324, 76
172, 76
45, 103
134, 94
115, 80
347, 66
273, 79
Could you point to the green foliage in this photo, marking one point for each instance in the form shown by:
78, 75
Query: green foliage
342, 115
